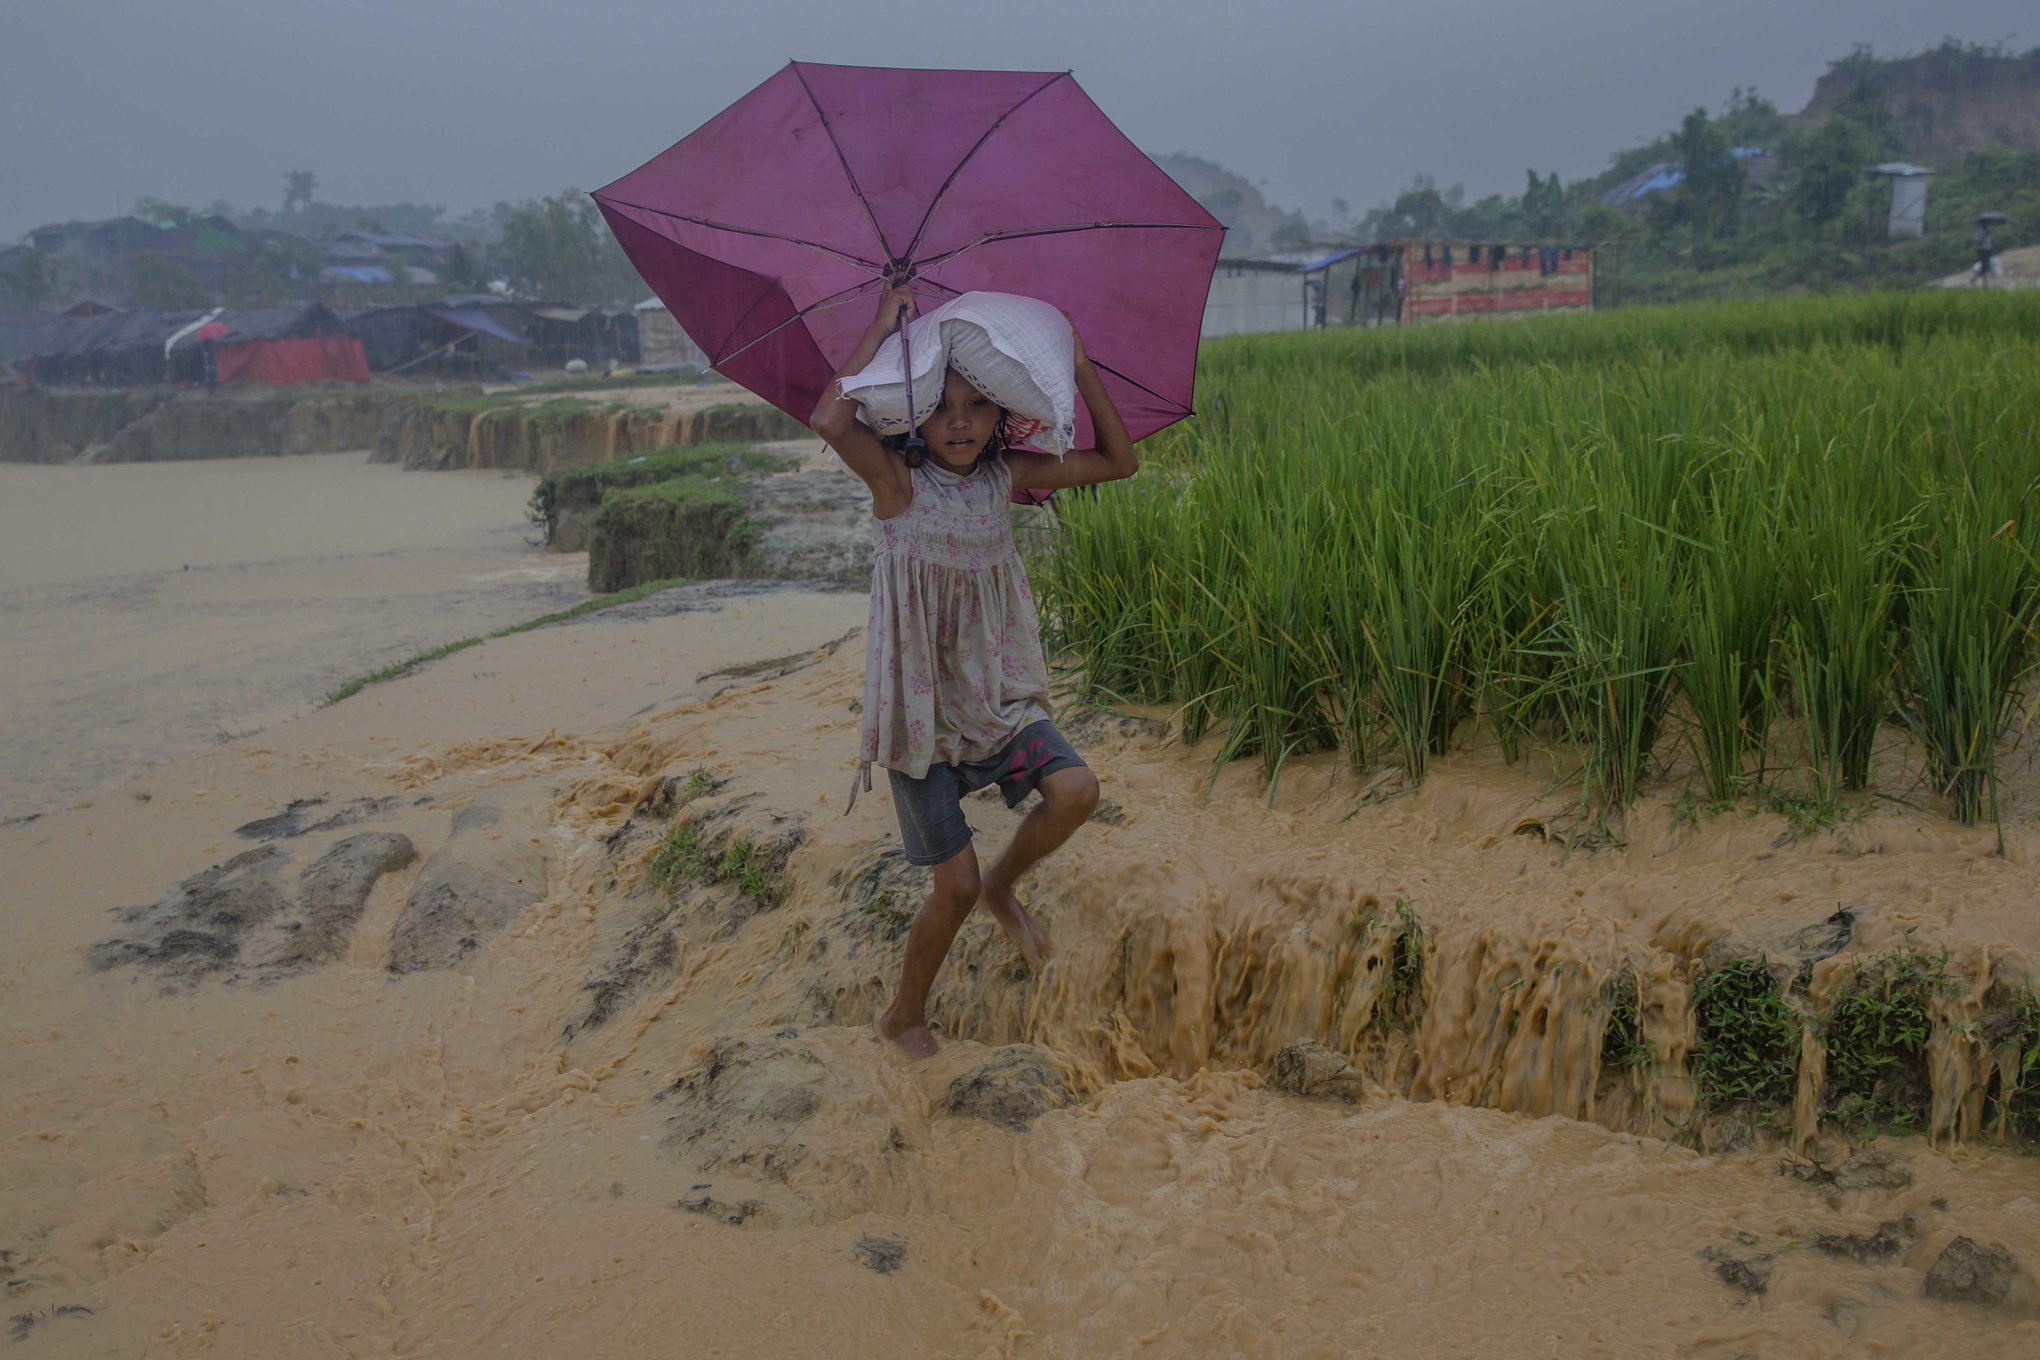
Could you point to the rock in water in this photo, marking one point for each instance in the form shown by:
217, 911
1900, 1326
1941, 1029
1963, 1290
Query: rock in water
1309, 1069
333, 890
1967, 1273
470, 889
1011, 1091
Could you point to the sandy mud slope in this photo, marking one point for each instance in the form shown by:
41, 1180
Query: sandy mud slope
147, 609
519, 1008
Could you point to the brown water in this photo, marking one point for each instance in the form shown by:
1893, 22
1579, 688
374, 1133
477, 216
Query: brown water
481, 1160
150, 609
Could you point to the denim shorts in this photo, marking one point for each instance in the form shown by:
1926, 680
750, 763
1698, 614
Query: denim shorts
932, 826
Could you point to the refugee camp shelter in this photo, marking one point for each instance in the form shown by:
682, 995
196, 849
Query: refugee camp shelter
1249, 297
294, 343
147, 345
473, 334
1426, 281
560, 332
662, 346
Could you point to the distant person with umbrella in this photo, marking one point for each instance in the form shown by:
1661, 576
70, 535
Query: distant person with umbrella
768, 231
209, 337
1985, 244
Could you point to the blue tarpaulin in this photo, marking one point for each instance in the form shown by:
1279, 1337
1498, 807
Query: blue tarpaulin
475, 319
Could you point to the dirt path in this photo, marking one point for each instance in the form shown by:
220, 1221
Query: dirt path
146, 610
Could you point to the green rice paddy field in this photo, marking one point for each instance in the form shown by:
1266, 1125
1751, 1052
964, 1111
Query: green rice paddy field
1724, 548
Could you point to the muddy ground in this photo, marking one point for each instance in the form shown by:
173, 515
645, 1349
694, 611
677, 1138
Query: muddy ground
521, 1007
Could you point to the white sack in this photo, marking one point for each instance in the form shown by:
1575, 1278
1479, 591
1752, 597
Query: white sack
1016, 350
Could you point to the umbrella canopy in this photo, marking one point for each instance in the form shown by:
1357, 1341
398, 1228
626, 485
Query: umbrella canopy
769, 231
1991, 219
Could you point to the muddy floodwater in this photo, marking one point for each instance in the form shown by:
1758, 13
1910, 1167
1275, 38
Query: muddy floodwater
148, 609
520, 1008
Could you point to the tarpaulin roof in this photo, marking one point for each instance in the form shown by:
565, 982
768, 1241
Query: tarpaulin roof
114, 332
272, 323
567, 314
476, 319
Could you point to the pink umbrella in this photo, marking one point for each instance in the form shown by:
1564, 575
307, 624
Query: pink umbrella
768, 230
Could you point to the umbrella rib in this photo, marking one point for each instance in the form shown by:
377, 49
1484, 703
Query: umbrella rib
874, 266
829, 301
856, 189
1143, 387
1018, 232
1000, 122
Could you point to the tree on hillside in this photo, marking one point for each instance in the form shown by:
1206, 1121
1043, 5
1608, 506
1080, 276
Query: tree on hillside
1828, 166
1543, 204
1708, 199
31, 282
560, 248
298, 188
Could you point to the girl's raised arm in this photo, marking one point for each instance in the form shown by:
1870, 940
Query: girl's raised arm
835, 417
1114, 457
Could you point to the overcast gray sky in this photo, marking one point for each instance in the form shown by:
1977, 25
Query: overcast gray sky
106, 100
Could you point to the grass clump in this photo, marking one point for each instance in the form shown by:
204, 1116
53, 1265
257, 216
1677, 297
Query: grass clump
1746, 1050
679, 859
582, 488
1876, 1031
1623, 1045
744, 863
683, 526
1401, 999
1747, 536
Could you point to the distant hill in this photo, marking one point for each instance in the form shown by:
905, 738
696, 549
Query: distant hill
1253, 225
1936, 107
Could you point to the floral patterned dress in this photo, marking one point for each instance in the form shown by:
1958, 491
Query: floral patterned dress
953, 666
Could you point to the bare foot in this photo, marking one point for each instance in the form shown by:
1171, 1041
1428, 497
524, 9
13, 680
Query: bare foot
914, 1040
1022, 929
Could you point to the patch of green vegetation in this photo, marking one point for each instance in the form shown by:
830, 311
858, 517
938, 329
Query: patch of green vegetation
397, 670
583, 487
679, 859
1402, 993
1782, 521
682, 858
683, 526
1876, 1033
595, 382
701, 781
747, 866
1746, 1051
2011, 1021
1623, 1045
552, 414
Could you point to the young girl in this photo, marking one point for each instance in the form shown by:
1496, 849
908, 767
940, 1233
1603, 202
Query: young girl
955, 685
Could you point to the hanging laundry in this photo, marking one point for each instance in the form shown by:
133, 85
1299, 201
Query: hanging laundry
1473, 254
1448, 254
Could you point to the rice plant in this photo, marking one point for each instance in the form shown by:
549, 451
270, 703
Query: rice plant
1758, 533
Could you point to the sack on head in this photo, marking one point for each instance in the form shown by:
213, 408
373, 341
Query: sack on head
1016, 350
